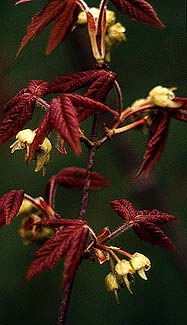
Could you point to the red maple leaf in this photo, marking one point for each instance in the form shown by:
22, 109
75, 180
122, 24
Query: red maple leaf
74, 178
145, 222
139, 10
9, 206
69, 241
156, 142
63, 13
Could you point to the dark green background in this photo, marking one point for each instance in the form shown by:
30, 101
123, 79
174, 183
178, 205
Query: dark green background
150, 57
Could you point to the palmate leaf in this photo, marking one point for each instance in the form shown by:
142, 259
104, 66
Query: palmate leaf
9, 205
156, 142
145, 222
74, 178
56, 10
139, 10
69, 241
20, 108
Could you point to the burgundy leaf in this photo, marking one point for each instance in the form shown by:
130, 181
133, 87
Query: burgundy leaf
145, 223
17, 116
74, 177
41, 132
62, 25
154, 216
124, 208
139, 10
74, 254
9, 205
156, 142
15, 100
38, 87
54, 9
64, 120
86, 106
75, 81
69, 241
100, 88
147, 231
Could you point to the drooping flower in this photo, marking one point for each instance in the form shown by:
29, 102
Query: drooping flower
140, 263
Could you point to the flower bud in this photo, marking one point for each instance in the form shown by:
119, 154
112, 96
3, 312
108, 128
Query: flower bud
140, 263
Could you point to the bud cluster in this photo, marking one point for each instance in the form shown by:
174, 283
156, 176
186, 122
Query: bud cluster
124, 272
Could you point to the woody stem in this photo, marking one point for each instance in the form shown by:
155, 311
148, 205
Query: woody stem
91, 157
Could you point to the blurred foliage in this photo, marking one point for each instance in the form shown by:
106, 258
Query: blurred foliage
150, 57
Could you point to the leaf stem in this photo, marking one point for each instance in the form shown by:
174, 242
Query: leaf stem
117, 232
42, 103
119, 96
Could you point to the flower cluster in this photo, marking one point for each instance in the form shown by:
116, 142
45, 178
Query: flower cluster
42, 155
124, 271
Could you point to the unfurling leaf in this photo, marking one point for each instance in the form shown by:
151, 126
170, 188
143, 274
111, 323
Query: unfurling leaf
139, 10
10, 204
54, 10
63, 118
69, 241
156, 142
145, 222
